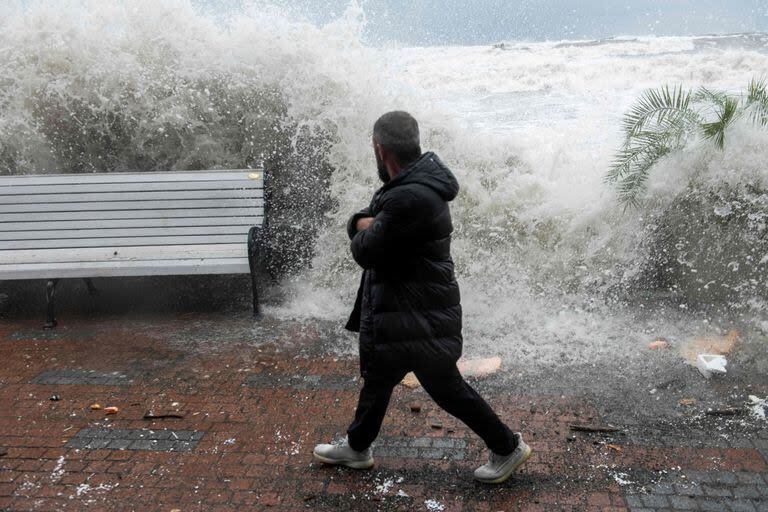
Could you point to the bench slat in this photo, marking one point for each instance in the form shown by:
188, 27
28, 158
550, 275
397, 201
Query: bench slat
134, 214
113, 254
69, 188
77, 243
125, 268
46, 237
127, 177
172, 222
131, 205
140, 197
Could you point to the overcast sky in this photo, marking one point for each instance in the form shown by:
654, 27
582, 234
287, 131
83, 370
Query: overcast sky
432, 22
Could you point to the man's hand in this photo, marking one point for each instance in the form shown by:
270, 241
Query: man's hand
364, 223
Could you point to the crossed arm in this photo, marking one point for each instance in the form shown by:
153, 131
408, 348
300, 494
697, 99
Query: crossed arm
375, 239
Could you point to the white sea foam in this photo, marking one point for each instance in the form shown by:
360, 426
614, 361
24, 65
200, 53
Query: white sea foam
544, 254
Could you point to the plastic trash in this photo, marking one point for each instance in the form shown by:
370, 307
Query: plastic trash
711, 364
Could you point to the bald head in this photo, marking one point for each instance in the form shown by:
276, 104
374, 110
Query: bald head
398, 133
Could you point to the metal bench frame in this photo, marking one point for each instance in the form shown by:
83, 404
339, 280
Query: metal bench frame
237, 197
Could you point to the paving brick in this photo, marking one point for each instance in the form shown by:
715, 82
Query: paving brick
663, 489
72, 377
654, 500
682, 503
712, 490
119, 444
421, 442
745, 491
135, 439
303, 394
95, 443
727, 478
698, 476
741, 506
689, 490
302, 382
711, 505
750, 478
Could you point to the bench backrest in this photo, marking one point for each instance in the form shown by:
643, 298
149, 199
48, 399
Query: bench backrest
76, 212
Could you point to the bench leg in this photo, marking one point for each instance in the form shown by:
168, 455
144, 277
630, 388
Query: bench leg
254, 262
92, 290
50, 294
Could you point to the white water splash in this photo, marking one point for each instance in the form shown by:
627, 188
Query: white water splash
542, 250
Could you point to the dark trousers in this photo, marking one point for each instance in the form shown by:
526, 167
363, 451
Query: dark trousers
447, 388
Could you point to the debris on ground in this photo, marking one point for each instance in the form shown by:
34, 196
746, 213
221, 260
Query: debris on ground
687, 401
719, 345
621, 478
434, 505
96, 407
479, 367
711, 364
614, 447
758, 406
410, 381
728, 411
111, 410
658, 344
54, 398
159, 415
602, 429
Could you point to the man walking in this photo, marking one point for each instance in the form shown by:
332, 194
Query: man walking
408, 310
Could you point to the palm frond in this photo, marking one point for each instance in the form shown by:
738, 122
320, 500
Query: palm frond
634, 161
633, 184
704, 95
662, 121
726, 114
659, 109
757, 101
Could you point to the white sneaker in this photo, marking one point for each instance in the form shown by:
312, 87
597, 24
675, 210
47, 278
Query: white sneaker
344, 455
501, 467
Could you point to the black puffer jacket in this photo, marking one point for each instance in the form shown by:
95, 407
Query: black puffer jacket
408, 308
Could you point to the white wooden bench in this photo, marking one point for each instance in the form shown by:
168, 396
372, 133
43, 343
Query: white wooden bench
130, 224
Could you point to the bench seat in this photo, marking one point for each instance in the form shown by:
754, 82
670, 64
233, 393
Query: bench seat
130, 224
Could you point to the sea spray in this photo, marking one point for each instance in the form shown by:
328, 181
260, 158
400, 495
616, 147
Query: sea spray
552, 268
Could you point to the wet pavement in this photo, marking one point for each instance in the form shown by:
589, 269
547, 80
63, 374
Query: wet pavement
216, 412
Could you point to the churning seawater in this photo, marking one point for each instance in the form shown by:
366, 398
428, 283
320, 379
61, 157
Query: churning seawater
552, 267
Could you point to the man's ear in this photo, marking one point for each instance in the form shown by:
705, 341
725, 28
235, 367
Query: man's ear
380, 151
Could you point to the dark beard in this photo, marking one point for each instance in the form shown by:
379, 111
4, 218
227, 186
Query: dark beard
382, 169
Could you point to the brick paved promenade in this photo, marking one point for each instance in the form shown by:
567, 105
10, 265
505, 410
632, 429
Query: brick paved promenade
242, 416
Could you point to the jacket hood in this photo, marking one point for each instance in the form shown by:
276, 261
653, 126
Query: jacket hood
429, 170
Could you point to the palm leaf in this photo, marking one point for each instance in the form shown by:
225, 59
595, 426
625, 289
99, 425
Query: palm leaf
631, 165
662, 120
631, 185
704, 95
757, 101
659, 109
726, 115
